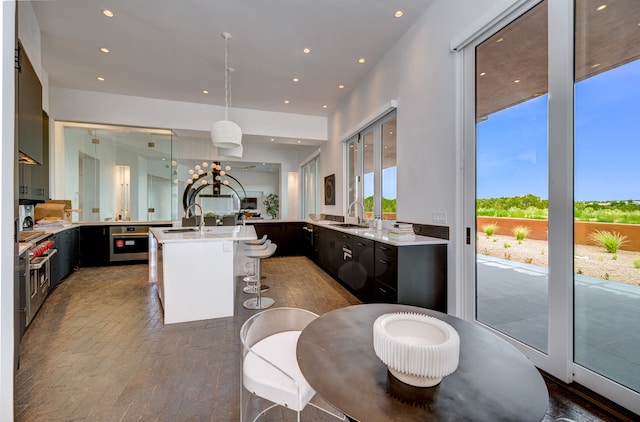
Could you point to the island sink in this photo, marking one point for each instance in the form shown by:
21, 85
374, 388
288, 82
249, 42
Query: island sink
180, 230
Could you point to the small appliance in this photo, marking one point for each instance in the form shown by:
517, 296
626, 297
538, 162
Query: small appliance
26, 217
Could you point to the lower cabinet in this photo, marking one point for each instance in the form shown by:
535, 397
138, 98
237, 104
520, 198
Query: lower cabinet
94, 246
378, 272
411, 275
288, 236
65, 261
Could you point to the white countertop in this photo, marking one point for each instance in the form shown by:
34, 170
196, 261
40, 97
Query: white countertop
210, 233
380, 235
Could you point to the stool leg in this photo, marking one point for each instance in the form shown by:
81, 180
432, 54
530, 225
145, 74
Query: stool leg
258, 302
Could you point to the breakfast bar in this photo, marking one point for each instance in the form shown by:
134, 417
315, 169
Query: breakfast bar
194, 270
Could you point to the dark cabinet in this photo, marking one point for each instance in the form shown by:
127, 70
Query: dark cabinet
362, 273
411, 275
379, 272
94, 246
29, 108
32, 133
288, 236
65, 261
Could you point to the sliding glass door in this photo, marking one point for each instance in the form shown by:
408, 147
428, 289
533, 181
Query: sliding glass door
551, 188
607, 190
512, 179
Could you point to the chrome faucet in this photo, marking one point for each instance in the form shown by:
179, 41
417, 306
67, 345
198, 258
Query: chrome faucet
201, 225
356, 213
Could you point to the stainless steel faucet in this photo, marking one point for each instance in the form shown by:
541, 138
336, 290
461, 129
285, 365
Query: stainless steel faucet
356, 214
201, 225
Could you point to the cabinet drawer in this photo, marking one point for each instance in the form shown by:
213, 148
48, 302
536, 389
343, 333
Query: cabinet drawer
384, 294
386, 265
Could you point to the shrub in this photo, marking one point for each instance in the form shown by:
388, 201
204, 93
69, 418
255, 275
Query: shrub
520, 232
611, 241
489, 229
528, 260
615, 257
636, 263
506, 245
507, 256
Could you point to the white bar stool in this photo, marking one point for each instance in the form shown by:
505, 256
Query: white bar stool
258, 255
250, 280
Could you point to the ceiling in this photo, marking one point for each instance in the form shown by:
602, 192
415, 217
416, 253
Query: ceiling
524, 46
173, 50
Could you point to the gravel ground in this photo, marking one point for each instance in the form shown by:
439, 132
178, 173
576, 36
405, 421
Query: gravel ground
593, 261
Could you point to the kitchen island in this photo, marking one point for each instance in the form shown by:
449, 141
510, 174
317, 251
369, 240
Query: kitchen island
194, 270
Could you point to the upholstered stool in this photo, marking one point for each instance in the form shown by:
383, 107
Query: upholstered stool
258, 255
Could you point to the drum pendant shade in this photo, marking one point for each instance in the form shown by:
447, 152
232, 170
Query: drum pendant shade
225, 133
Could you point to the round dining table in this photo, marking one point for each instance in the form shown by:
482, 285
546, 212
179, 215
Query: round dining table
494, 381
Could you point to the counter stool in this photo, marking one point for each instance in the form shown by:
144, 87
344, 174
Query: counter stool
259, 302
250, 280
256, 241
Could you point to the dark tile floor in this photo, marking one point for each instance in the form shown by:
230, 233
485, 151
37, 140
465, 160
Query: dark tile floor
98, 351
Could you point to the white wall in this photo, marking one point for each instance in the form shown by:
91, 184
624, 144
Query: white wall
7, 209
96, 107
419, 72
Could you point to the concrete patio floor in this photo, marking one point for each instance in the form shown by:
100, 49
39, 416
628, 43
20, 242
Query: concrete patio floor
512, 298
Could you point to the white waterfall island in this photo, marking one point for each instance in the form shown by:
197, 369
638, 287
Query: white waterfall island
194, 271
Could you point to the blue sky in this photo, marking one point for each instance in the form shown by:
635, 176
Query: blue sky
512, 153
389, 190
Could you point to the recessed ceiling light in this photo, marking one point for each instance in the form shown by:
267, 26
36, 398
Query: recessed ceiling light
517, 81
500, 39
299, 141
264, 164
306, 51
361, 60
391, 133
483, 73
286, 101
296, 80
108, 13
324, 106
398, 14
104, 49
272, 139
341, 86
100, 78
602, 7
204, 91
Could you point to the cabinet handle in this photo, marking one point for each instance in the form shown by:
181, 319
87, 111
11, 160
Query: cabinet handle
383, 261
382, 290
383, 248
360, 244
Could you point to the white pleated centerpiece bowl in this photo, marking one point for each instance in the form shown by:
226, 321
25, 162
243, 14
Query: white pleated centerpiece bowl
419, 350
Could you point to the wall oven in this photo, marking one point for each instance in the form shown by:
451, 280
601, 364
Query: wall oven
38, 277
128, 243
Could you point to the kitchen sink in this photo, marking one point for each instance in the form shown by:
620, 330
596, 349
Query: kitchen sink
350, 226
180, 230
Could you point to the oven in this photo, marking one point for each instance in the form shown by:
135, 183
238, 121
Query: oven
38, 276
128, 243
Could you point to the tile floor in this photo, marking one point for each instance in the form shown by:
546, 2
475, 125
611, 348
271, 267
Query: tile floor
98, 351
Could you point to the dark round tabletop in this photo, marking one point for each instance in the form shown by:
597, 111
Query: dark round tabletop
494, 381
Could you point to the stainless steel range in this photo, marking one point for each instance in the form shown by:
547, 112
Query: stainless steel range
37, 271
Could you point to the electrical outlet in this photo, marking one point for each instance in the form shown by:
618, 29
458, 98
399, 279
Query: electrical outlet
439, 218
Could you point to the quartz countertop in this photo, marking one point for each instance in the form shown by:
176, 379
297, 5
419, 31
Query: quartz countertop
210, 233
380, 235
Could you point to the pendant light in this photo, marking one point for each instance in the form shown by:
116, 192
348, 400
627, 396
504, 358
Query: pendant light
225, 133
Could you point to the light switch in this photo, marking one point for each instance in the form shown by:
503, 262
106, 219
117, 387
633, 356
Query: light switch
439, 217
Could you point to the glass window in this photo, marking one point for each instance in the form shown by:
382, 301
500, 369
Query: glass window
310, 187
373, 183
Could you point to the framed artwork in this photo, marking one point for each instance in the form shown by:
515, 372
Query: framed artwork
330, 190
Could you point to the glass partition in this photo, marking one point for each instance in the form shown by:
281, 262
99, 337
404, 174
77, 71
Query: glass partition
116, 173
